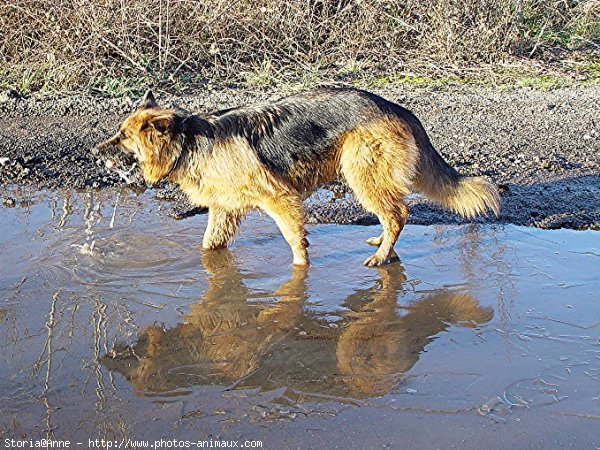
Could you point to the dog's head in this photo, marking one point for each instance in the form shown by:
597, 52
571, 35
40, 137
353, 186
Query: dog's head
152, 136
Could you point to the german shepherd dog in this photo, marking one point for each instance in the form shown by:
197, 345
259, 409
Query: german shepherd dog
272, 157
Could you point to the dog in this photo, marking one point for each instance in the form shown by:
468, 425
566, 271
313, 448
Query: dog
272, 156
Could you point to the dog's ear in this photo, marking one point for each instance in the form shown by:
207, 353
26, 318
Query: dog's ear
162, 124
148, 101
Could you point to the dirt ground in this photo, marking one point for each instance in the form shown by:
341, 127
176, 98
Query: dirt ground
540, 147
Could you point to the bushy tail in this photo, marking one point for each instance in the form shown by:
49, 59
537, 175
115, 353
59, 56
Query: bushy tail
466, 196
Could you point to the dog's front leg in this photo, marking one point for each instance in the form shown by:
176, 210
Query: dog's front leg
222, 225
287, 213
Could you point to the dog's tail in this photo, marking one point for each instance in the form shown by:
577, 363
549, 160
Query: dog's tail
466, 196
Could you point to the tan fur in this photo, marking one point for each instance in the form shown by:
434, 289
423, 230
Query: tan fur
232, 177
473, 196
378, 162
382, 161
466, 196
307, 177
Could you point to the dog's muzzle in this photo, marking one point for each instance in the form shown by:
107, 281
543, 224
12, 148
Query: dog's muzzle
104, 145
100, 148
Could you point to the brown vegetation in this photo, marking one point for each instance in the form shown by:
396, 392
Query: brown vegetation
111, 46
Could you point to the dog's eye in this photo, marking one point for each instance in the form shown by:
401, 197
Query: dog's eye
122, 135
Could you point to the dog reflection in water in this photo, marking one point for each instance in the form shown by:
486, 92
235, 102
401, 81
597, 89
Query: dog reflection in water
229, 339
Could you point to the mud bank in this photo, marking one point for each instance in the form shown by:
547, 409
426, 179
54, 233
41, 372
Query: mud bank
542, 149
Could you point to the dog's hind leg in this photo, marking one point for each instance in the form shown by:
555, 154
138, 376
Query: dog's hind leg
287, 213
222, 225
392, 223
377, 163
392, 213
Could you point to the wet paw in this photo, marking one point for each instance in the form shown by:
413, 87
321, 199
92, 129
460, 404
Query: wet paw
375, 260
301, 257
375, 241
301, 262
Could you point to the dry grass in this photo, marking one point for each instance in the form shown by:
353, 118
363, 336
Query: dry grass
114, 46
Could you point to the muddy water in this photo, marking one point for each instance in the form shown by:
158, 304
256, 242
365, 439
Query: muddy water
478, 337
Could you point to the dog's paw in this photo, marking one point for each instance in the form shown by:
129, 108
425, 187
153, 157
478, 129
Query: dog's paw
301, 263
301, 259
375, 241
375, 260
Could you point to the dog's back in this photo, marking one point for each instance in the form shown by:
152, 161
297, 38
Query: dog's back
299, 138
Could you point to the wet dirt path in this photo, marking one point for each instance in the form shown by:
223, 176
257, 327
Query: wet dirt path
480, 336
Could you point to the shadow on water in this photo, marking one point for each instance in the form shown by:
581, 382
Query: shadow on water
227, 339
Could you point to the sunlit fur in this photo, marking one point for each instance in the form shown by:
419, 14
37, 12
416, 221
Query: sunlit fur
272, 156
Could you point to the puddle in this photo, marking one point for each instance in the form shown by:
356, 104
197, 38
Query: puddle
130, 331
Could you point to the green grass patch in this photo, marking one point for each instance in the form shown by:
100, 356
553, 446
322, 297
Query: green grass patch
47, 78
542, 82
590, 69
404, 79
119, 86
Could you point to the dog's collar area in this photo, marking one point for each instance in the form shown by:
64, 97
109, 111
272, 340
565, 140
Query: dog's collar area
173, 166
178, 159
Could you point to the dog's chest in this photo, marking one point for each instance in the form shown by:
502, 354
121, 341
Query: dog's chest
201, 194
